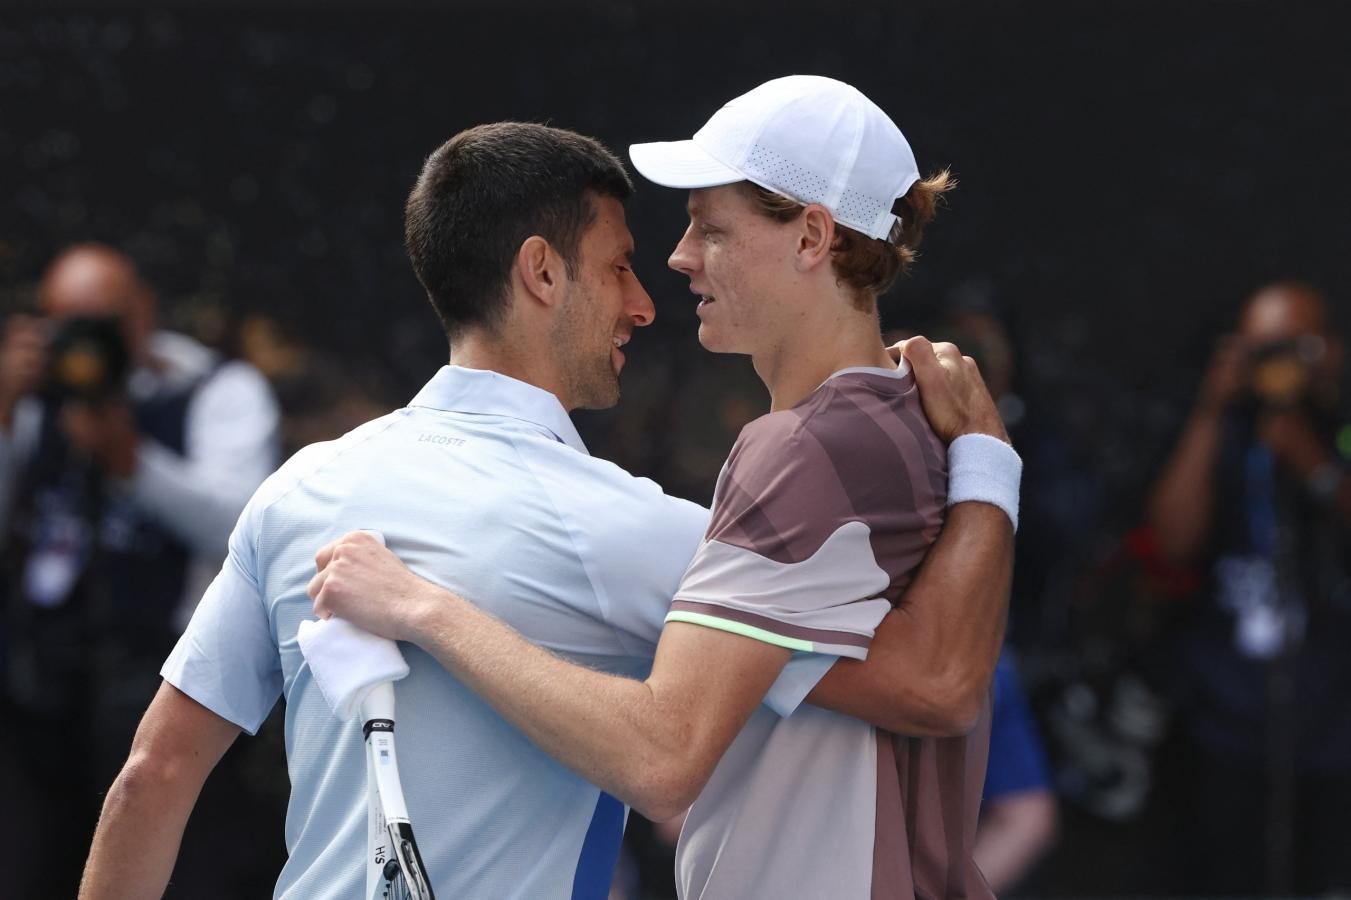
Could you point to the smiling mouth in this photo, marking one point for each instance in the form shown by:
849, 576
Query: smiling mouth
705, 300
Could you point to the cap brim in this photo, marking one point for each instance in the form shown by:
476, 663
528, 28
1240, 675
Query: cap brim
680, 164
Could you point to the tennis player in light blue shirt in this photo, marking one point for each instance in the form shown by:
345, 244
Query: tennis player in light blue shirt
578, 555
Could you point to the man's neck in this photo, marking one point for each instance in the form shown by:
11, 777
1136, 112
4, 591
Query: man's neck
813, 349
479, 350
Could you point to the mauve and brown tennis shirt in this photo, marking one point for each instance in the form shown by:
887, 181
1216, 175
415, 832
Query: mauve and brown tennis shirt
820, 519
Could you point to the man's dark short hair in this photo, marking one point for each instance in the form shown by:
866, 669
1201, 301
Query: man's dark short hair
483, 193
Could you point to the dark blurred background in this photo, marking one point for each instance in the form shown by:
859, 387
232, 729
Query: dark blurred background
1130, 171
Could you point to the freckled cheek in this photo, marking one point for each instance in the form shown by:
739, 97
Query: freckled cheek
745, 271
730, 262
739, 289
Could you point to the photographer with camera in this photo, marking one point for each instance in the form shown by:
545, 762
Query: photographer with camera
1256, 496
126, 455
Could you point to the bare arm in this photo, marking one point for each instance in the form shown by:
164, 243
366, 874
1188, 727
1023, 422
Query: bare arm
1181, 505
653, 744
177, 745
930, 664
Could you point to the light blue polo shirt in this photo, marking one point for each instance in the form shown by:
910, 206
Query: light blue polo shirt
483, 485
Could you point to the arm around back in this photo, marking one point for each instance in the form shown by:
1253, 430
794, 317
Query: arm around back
652, 744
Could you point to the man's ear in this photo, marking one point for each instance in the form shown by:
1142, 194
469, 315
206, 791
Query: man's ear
816, 237
541, 271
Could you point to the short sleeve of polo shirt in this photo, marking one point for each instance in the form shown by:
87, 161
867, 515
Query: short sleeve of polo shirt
787, 558
226, 659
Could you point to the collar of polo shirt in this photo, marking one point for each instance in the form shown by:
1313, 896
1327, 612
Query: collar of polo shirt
488, 393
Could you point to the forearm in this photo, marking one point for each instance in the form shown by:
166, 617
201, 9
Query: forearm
931, 661
1182, 503
138, 835
613, 731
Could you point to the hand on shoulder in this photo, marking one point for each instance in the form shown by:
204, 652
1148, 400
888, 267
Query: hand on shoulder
951, 390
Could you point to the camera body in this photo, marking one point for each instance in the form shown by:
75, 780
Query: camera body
88, 360
1286, 373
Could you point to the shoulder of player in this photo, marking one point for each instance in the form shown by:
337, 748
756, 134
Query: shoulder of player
310, 460
770, 435
606, 496
828, 427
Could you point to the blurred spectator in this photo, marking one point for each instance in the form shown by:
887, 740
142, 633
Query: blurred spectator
1019, 816
1256, 496
126, 454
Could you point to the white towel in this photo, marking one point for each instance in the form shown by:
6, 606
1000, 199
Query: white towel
347, 662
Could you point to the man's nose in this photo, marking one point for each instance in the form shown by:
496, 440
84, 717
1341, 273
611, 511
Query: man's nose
639, 305
683, 259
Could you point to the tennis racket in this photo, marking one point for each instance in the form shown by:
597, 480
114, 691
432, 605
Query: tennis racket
394, 869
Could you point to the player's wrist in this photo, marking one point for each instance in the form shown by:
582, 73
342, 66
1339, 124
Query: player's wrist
983, 468
993, 427
430, 611
416, 618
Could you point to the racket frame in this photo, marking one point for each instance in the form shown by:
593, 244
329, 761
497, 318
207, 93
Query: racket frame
390, 835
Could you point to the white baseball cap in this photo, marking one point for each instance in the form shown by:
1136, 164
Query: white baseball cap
809, 138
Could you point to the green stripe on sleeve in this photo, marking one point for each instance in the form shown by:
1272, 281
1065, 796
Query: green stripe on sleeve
740, 628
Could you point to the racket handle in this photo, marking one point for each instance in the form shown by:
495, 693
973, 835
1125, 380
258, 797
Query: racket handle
378, 702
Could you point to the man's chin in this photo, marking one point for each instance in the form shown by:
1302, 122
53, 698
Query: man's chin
601, 395
713, 342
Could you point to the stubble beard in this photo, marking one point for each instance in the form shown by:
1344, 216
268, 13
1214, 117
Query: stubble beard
594, 382
591, 379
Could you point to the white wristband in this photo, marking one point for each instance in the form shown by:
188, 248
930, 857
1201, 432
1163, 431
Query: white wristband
984, 468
